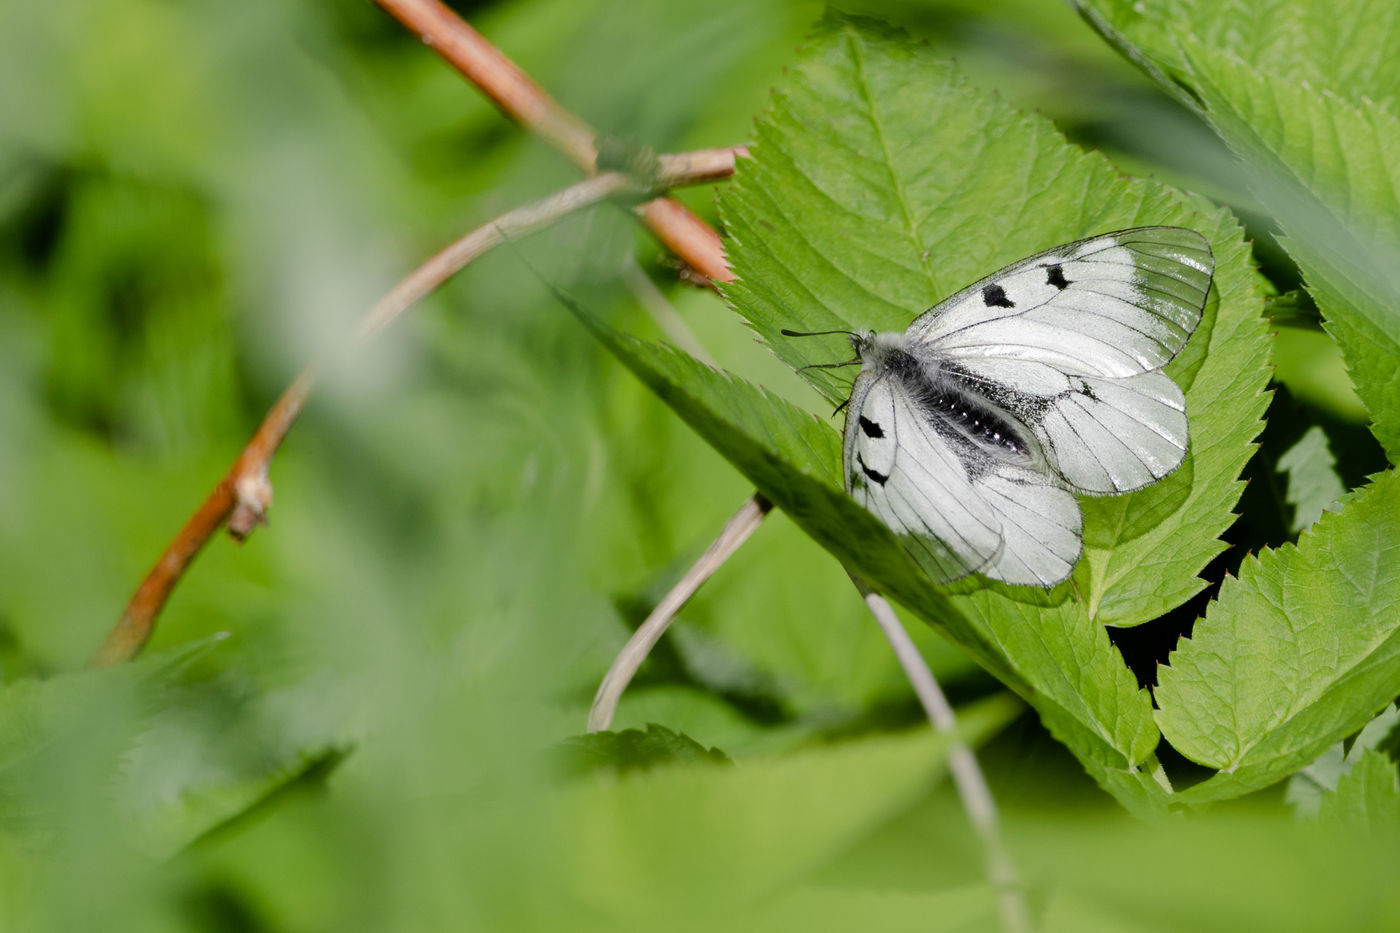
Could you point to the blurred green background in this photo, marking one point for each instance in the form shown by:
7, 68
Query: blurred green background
354, 721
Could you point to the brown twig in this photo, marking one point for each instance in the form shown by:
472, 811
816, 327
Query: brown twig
244, 494
525, 102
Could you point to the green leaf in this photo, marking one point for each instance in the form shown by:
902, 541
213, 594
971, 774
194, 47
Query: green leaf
1328, 170
880, 184
215, 751
1300, 650
636, 750
812, 908
177, 759
1307, 788
1309, 363
1305, 95
1366, 798
1313, 483
1217, 873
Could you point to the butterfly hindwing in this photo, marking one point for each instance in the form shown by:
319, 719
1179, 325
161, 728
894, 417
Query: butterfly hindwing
1112, 436
959, 509
1041, 526
900, 468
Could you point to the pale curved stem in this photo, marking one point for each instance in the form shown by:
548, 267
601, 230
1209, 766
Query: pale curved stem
735, 532
967, 775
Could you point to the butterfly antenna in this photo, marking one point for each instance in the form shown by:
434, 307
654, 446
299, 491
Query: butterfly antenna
829, 365
814, 333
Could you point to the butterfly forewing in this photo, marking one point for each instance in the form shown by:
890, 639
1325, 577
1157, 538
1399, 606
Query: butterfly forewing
1110, 306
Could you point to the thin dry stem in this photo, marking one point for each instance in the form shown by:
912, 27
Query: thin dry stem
244, 494
735, 532
499, 78
962, 764
525, 102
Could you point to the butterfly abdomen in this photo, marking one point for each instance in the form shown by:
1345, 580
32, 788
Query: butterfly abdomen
943, 397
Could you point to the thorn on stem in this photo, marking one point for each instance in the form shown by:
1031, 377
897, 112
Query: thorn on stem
254, 498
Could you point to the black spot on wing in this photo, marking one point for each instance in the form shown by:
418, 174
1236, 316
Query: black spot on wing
874, 475
994, 296
1055, 275
870, 428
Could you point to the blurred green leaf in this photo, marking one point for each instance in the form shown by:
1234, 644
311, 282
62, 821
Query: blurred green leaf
744, 831
838, 910
1307, 787
1291, 309
1298, 651
636, 750
1309, 363
704, 846
1351, 47
1367, 798
1220, 874
1313, 483
178, 758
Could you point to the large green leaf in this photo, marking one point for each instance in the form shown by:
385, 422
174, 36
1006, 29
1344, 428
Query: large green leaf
1300, 650
880, 183
700, 843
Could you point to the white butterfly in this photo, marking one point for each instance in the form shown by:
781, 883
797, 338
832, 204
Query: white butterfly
970, 432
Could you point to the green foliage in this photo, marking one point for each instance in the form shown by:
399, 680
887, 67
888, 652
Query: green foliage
1366, 798
1307, 788
179, 756
851, 215
1313, 483
1299, 651
636, 750
362, 718
1066, 667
